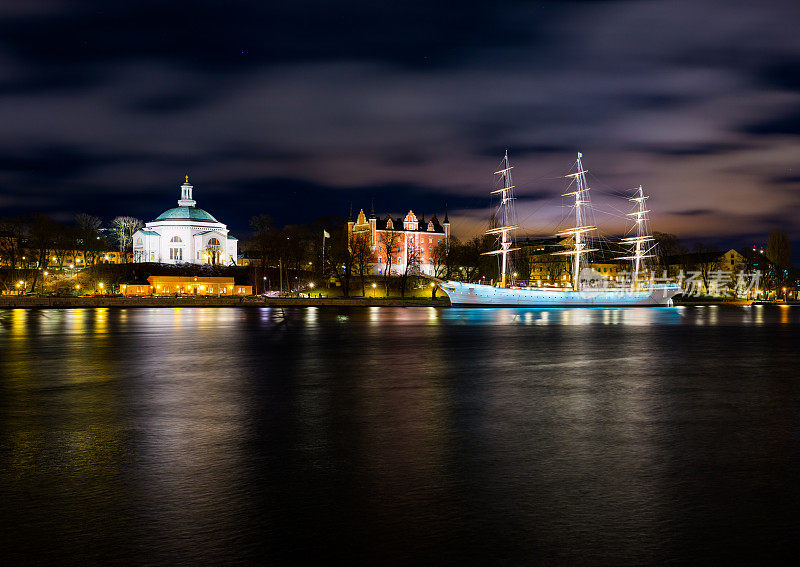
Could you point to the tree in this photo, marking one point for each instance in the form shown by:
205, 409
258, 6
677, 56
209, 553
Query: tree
520, 263
555, 266
442, 260
706, 260
779, 252
123, 228
12, 235
263, 247
362, 259
339, 259
387, 248
666, 246
293, 247
42, 233
468, 258
88, 236
779, 249
411, 268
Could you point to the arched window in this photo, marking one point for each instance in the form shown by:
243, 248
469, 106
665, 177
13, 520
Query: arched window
213, 252
176, 239
139, 241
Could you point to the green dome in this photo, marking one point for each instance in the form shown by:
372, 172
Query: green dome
186, 213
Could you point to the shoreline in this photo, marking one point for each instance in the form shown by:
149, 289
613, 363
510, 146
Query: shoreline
30, 302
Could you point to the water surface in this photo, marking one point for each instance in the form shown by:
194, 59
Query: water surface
400, 435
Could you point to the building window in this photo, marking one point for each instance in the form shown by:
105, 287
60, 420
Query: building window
176, 239
176, 253
213, 252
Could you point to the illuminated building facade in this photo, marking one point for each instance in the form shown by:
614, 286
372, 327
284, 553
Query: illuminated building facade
185, 234
187, 285
397, 242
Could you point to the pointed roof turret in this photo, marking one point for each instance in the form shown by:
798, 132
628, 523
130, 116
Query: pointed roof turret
446, 220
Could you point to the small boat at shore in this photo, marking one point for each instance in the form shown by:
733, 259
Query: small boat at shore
579, 293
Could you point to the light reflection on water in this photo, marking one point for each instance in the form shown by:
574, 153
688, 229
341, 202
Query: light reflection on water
516, 435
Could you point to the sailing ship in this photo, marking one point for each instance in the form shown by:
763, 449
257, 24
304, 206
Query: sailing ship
579, 293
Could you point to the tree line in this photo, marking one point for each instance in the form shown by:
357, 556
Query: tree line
38, 242
304, 253
774, 265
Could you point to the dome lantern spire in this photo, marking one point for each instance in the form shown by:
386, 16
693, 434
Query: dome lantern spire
186, 195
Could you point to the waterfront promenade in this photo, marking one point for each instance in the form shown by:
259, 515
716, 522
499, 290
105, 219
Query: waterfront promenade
32, 302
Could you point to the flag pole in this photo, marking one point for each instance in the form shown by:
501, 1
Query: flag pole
324, 236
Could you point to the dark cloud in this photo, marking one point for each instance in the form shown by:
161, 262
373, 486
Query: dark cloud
691, 149
519, 150
240, 36
782, 74
693, 212
787, 124
786, 180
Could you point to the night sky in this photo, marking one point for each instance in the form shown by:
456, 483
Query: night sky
297, 109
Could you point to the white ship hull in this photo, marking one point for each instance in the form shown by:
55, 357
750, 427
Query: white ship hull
478, 295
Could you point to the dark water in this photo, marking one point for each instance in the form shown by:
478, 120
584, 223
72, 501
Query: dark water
382, 435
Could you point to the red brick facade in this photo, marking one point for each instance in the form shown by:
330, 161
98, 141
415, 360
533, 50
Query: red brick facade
413, 238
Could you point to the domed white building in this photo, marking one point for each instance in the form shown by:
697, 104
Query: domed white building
185, 234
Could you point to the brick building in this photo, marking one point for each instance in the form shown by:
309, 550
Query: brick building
411, 239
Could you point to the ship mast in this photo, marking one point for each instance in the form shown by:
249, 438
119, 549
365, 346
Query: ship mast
640, 223
581, 194
506, 218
